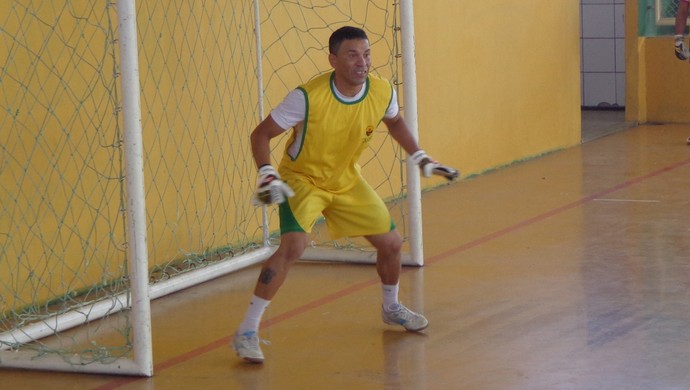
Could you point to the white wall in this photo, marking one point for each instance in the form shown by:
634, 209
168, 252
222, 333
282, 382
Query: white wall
603, 53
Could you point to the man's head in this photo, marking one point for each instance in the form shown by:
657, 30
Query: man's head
342, 34
350, 57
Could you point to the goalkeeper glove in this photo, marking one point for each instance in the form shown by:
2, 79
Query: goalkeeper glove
430, 167
270, 189
682, 52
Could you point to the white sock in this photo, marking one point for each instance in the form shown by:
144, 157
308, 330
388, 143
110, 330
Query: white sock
390, 296
252, 318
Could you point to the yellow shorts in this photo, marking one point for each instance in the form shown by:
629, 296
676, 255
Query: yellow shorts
356, 212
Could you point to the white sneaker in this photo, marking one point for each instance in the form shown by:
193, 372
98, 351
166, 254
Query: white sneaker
405, 317
681, 51
246, 345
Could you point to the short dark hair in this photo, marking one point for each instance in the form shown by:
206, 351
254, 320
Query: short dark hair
342, 34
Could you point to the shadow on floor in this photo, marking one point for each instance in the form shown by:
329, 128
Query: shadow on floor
600, 123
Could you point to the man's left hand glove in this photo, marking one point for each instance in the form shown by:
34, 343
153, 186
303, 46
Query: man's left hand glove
430, 167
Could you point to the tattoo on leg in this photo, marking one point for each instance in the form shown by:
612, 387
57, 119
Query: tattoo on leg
266, 276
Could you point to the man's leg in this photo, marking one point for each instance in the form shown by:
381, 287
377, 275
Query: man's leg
388, 246
388, 266
681, 17
681, 50
273, 273
680, 25
275, 269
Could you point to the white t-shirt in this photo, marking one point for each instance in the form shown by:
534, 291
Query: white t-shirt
292, 109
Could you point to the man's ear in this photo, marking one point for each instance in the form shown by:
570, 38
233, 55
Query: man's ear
331, 59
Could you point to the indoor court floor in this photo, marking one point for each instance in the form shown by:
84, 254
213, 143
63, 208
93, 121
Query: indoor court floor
568, 271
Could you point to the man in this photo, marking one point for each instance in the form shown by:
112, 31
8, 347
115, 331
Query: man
681, 50
333, 117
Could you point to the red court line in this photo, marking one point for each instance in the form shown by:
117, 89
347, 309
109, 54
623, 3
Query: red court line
368, 283
553, 212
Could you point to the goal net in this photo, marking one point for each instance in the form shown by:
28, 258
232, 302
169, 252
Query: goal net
208, 72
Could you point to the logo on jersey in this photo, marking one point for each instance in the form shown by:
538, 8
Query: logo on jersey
368, 132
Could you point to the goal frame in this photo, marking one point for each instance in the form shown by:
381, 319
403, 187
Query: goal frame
141, 293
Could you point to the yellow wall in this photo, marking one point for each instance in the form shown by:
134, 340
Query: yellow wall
666, 81
58, 178
498, 81
657, 83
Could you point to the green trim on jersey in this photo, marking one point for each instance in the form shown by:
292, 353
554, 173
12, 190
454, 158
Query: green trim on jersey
304, 126
335, 95
326, 146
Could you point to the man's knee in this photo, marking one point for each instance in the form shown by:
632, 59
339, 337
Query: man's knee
396, 244
390, 243
292, 246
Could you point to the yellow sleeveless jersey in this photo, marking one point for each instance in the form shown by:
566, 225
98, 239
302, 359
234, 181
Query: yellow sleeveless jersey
325, 148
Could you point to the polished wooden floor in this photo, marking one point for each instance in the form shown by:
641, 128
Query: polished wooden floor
570, 271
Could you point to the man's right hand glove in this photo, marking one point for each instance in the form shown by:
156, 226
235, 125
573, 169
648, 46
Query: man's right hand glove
430, 167
682, 52
270, 189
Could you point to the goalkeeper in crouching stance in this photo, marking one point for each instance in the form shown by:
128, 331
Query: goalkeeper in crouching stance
333, 118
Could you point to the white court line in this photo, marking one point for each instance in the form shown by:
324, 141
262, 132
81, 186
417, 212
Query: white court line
628, 200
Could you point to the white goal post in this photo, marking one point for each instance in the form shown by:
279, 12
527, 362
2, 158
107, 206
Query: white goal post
160, 187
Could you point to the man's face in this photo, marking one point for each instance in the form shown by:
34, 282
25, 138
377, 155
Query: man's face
351, 62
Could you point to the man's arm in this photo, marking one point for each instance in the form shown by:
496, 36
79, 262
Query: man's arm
270, 188
261, 140
398, 129
400, 132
